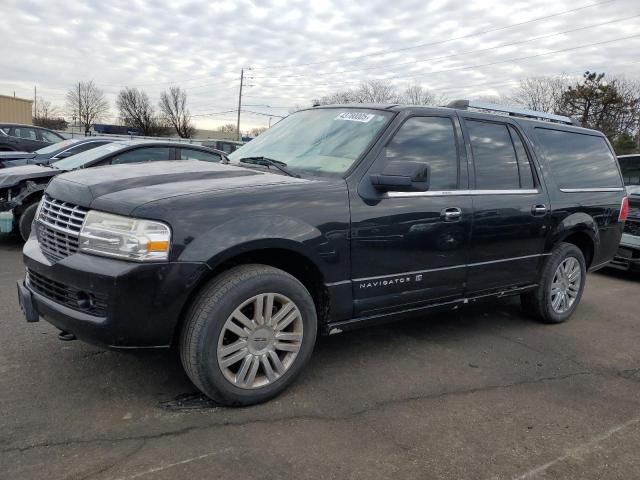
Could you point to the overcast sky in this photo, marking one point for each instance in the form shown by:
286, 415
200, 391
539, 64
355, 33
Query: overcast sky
301, 50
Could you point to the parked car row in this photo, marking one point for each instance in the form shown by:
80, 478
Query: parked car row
337, 217
21, 187
628, 255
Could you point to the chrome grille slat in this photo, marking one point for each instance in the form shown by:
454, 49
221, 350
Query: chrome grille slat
58, 227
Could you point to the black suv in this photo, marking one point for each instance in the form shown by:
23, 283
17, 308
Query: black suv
628, 255
336, 217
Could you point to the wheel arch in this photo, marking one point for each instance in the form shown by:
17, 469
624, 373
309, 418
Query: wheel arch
285, 255
581, 230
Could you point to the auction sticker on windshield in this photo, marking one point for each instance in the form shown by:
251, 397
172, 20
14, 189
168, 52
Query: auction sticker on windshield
356, 116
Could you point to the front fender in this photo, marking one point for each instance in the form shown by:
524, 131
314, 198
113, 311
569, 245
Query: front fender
248, 233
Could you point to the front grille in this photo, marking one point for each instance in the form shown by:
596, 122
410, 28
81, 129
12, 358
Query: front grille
632, 228
58, 227
82, 301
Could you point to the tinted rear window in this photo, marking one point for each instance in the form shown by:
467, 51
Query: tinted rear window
577, 160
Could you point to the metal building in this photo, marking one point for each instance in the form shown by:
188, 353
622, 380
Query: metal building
15, 110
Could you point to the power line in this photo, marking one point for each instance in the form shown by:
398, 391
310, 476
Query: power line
467, 67
415, 62
440, 42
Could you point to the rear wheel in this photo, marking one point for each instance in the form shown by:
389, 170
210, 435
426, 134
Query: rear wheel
561, 285
248, 335
26, 220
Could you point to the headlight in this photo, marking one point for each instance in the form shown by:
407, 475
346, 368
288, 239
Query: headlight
124, 237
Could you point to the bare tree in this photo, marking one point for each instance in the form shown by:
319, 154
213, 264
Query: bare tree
377, 91
136, 110
257, 131
48, 116
228, 128
417, 95
87, 103
543, 94
173, 105
45, 110
373, 91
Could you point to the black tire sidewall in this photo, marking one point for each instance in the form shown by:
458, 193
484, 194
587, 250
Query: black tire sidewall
565, 251
26, 220
211, 378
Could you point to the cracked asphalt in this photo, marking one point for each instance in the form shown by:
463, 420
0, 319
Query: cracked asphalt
480, 394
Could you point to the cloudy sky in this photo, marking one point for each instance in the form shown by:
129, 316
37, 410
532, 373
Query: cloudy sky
300, 50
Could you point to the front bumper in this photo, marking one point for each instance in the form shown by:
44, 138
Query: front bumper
108, 302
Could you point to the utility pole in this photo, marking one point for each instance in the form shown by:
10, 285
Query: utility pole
240, 104
35, 102
79, 105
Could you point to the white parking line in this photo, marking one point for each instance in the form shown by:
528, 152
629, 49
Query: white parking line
580, 450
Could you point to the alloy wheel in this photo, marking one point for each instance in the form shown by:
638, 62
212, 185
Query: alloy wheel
260, 340
566, 285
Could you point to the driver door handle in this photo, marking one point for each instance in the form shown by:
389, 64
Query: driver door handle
539, 210
451, 214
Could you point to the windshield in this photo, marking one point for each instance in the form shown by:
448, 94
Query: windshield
630, 167
88, 156
54, 147
321, 141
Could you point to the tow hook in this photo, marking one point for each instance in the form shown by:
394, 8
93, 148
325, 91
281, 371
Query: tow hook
66, 336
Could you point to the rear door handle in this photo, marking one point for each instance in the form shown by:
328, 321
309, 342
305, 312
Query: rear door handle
539, 210
451, 214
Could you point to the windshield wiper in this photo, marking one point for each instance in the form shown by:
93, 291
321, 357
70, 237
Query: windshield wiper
268, 162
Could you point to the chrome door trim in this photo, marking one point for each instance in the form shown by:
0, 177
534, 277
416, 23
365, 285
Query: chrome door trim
591, 190
447, 193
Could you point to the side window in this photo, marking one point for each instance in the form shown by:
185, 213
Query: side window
494, 155
81, 148
139, 155
48, 136
26, 133
431, 140
524, 164
192, 154
578, 160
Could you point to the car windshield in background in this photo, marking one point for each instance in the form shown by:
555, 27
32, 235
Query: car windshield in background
54, 147
89, 156
630, 167
325, 141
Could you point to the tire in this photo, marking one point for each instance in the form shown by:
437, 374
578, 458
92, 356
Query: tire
212, 336
26, 220
541, 302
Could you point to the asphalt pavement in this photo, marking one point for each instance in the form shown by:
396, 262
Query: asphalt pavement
484, 393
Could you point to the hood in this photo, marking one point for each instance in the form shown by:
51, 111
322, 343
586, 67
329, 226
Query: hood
122, 188
14, 175
4, 156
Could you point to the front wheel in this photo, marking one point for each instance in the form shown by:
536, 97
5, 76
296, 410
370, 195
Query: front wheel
26, 221
561, 285
248, 334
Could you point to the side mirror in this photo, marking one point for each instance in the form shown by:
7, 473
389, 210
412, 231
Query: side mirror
403, 176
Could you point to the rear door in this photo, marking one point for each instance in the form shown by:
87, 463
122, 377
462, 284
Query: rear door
27, 138
511, 208
406, 251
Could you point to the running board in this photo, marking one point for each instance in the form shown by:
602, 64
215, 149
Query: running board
360, 322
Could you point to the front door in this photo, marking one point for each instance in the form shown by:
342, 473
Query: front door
409, 249
511, 210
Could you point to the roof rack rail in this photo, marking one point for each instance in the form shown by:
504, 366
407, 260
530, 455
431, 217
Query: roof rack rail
512, 111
